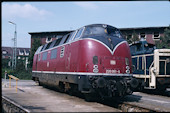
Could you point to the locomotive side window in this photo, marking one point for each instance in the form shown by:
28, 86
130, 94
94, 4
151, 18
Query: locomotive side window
38, 50
42, 48
137, 63
73, 35
44, 56
57, 42
67, 37
52, 44
143, 63
54, 53
79, 33
140, 63
48, 45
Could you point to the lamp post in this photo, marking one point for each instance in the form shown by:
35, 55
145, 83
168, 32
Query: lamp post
15, 46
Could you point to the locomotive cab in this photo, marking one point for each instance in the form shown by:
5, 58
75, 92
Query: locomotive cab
141, 47
151, 65
103, 33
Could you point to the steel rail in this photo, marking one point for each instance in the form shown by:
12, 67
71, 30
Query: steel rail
11, 106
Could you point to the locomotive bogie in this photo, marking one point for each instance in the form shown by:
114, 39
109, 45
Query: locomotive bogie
106, 86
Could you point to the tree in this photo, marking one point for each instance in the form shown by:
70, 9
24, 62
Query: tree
35, 45
129, 37
134, 37
164, 40
20, 65
5, 63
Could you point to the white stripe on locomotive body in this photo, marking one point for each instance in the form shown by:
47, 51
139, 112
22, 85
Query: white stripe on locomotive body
82, 73
112, 52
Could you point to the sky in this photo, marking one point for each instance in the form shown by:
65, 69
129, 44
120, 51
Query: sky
63, 16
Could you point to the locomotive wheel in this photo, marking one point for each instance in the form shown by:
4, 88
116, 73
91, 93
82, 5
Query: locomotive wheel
39, 83
161, 90
71, 92
71, 89
141, 88
89, 97
61, 87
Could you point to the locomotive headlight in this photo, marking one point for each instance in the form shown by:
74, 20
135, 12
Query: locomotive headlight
127, 61
90, 45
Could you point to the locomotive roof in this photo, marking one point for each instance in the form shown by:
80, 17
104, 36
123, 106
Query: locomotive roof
141, 47
96, 25
140, 41
71, 36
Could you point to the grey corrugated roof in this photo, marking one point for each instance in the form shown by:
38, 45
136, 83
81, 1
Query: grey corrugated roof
132, 28
143, 28
50, 32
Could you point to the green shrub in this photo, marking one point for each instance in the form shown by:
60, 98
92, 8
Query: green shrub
21, 74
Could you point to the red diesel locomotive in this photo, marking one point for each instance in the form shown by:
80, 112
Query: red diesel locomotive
93, 60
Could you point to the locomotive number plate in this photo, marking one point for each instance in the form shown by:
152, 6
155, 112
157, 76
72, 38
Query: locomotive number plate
112, 71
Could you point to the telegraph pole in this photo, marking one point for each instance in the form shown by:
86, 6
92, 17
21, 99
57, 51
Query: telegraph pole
14, 62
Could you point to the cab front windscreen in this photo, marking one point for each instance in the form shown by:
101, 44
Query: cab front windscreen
99, 30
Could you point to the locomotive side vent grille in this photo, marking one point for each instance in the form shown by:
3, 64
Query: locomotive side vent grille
62, 51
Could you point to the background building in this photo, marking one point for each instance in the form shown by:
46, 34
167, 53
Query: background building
153, 33
142, 32
46, 37
22, 54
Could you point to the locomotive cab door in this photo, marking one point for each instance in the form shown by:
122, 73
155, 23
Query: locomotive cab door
67, 58
67, 53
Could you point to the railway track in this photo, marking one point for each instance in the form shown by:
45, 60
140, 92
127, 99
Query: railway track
127, 107
9, 106
153, 92
137, 102
123, 104
130, 107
